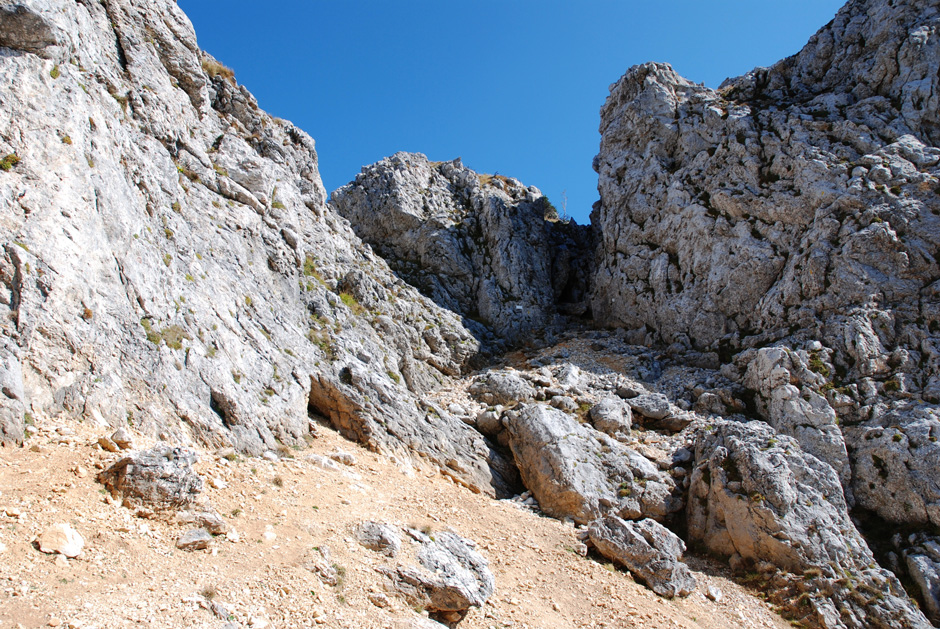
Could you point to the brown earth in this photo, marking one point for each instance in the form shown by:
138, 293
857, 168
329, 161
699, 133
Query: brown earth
131, 573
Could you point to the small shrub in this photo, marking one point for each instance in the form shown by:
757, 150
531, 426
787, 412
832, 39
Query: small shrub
9, 161
167, 259
66, 139
56, 73
176, 207
87, 314
278, 481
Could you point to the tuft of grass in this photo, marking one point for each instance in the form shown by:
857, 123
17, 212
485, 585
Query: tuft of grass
9, 161
66, 139
278, 481
350, 302
216, 69
56, 73
87, 314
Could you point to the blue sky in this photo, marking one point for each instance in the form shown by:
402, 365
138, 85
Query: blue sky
511, 86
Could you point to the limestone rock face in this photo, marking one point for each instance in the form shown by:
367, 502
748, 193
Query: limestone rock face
476, 244
757, 497
169, 260
797, 199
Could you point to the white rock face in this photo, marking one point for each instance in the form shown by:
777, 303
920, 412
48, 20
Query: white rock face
168, 257
62, 539
796, 206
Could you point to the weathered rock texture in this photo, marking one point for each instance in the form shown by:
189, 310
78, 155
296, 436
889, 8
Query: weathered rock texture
576, 472
757, 497
169, 260
799, 196
648, 550
476, 244
161, 478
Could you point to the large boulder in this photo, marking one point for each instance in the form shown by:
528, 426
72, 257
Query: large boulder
758, 497
161, 478
647, 549
576, 472
452, 577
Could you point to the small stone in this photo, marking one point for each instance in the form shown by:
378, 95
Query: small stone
233, 536
269, 534
194, 539
713, 593
270, 456
63, 539
107, 444
62, 561
122, 439
3, 548
54, 622
379, 600
346, 458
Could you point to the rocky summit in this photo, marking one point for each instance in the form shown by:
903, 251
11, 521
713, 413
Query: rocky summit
730, 378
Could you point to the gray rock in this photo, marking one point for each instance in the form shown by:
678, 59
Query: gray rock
379, 537
476, 244
211, 521
611, 416
192, 238
453, 576
798, 411
161, 478
895, 455
755, 495
576, 472
651, 405
194, 539
122, 439
648, 550
501, 387
922, 560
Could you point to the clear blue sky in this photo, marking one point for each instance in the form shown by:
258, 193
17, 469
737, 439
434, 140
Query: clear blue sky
512, 86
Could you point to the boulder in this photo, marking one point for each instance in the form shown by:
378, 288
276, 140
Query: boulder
922, 560
576, 472
452, 577
648, 550
501, 387
379, 537
161, 478
194, 539
611, 416
757, 497
651, 405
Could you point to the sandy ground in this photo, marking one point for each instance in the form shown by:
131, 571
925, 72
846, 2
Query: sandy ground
281, 514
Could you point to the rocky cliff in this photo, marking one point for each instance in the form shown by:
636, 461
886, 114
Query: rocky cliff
170, 263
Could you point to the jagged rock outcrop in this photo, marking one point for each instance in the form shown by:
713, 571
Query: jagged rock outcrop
757, 497
476, 244
169, 260
788, 223
795, 196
